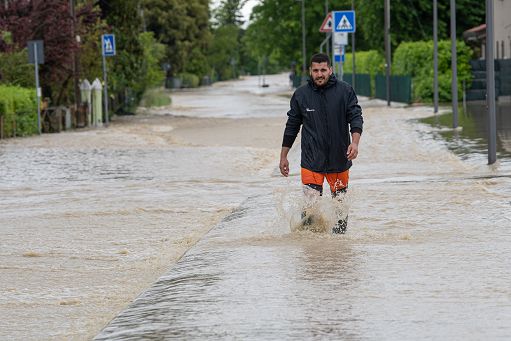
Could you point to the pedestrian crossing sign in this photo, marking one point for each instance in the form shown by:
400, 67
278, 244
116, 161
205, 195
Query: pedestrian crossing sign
344, 21
108, 45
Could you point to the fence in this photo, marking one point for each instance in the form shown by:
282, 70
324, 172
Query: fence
362, 83
400, 88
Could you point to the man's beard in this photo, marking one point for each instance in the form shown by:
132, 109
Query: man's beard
324, 79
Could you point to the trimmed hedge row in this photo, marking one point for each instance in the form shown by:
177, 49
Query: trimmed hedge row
18, 108
415, 59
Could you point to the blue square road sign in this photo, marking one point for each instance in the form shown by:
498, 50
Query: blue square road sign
344, 21
108, 45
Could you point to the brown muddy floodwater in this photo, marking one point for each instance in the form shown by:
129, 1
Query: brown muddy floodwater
94, 220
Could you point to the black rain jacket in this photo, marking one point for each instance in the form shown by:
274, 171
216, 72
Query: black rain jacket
327, 114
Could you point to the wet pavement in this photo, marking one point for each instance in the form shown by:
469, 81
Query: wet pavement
426, 255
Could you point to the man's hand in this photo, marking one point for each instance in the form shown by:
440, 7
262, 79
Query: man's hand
284, 163
284, 166
352, 151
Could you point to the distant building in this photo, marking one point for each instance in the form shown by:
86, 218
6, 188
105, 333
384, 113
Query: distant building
476, 36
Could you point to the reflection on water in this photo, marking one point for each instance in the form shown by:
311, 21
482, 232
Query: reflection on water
471, 142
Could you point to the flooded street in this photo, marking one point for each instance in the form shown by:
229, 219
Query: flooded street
95, 223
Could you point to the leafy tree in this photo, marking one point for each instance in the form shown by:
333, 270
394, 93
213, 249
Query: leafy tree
49, 21
413, 20
127, 67
275, 28
183, 27
229, 13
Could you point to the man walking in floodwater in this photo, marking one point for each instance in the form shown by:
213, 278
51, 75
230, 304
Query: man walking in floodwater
328, 111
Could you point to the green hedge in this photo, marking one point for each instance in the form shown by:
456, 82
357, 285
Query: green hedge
18, 107
189, 80
367, 62
416, 59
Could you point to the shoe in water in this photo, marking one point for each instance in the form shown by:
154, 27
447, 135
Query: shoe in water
341, 226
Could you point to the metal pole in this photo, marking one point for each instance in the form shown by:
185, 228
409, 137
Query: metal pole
353, 71
325, 42
37, 90
387, 48
304, 49
454, 63
490, 84
328, 41
435, 55
105, 85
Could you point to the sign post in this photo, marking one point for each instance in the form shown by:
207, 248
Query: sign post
36, 57
108, 50
343, 23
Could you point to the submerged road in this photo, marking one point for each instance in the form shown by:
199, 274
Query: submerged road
426, 255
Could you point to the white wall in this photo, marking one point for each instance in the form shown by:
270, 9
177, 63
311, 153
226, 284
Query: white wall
502, 19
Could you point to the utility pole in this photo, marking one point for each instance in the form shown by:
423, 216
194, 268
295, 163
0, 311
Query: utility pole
353, 71
387, 48
435, 55
454, 66
490, 84
76, 56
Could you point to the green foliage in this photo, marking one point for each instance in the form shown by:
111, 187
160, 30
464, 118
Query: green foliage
126, 70
154, 53
156, 97
416, 59
412, 20
15, 69
18, 106
183, 27
222, 52
368, 62
90, 30
189, 80
229, 12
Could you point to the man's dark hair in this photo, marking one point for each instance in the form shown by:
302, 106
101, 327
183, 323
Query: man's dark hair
320, 58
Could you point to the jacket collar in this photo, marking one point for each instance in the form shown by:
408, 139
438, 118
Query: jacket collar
331, 81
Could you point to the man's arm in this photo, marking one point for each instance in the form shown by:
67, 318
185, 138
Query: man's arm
353, 147
294, 121
284, 163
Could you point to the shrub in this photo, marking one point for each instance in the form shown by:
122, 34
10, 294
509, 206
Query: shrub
367, 62
15, 69
18, 106
155, 97
189, 80
416, 59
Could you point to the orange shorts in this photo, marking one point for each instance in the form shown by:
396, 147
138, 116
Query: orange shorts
337, 181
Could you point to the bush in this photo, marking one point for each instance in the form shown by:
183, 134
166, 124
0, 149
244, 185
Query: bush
18, 106
189, 80
15, 69
156, 97
416, 59
367, 62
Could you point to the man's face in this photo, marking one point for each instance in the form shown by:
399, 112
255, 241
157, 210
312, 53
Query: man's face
320, 73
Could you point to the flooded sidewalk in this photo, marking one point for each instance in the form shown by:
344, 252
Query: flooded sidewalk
426, 255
